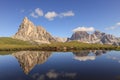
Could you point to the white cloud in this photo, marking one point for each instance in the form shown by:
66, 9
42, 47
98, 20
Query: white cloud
113, 27
67, 14
37, 13
34, 15
89, 29
51, 15
118, 24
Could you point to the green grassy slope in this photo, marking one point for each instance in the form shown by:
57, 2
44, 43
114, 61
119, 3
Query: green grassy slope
11, 41
9, 44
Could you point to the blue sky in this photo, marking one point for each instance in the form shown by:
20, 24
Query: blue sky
61, 17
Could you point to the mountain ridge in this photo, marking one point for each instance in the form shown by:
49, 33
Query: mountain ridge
29, 32
95, 37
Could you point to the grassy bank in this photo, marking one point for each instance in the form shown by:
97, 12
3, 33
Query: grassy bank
9, 44
68, 46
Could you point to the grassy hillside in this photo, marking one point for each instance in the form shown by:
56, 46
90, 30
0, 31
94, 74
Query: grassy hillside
9, 44
11, 41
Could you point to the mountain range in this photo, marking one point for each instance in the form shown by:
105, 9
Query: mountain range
96, 37
29, 32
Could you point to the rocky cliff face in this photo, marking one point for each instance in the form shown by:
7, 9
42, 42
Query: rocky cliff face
28, 59
29, 32
96, 37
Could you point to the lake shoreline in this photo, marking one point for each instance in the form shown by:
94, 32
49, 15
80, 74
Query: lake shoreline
61, 49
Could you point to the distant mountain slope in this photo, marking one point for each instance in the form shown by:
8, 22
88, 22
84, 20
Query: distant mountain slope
96, 37
59, 39
29, 32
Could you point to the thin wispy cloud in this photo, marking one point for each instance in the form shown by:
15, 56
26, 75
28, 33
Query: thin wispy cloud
51, 15
88, 29
114, 26
22, 10
67, 14
37, 13
34, 15
118, 24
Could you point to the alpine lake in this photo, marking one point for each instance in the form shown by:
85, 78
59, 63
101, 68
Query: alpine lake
41, 65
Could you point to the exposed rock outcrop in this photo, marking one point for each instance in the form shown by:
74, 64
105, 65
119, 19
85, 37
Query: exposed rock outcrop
29, 32
96, 37
59, 39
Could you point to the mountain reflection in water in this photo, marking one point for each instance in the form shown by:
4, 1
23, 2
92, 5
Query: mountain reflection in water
84, 55
28, 59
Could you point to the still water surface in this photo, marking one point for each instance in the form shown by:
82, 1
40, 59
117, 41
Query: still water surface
83, 65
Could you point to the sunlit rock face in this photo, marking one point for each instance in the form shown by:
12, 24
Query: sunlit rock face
29, 32
28, 59
60, 39
96, 37
81, 36
84, 55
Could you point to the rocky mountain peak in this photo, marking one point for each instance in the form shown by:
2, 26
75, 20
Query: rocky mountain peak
26, 21
79, 35
29, 32
26, 27
97, 32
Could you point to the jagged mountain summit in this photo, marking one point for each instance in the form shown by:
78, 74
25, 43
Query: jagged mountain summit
29, 32
96, 37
